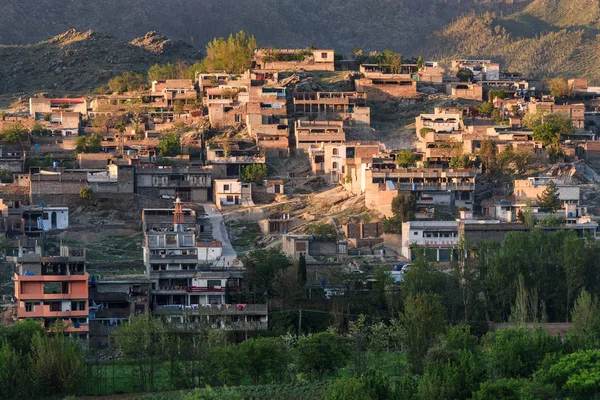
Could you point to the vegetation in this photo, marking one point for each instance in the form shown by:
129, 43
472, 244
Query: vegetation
254, 173
549, 200
14, 133
232, 55
405, 158
126, 82
465, 75
86, 193
91, 144
170, 145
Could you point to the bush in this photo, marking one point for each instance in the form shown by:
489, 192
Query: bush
86, 193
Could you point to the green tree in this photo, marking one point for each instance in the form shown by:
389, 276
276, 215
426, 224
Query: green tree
460, 162
322, 353
57, 365
80, 144
487, 153
493, 93
232, 55
261, 268
404, 207
465, 75
420, 63
586, 319
573, 266
14, 133
576, 375
405, 158
485, 109
533, 120
559, 87
423, 320
209, 393
348, 389
143, 342
254, 173
262, 358
549, 200
547, 133
170, 145
323, 231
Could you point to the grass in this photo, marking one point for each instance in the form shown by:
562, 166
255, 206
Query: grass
119, 378
243, 234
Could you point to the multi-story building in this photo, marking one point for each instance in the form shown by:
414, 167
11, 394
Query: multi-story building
54, 289
314, 133
39, 107
483, 70
336, 160
166, 93
465, 90
232, 192
185, 286
189, 183
346, 106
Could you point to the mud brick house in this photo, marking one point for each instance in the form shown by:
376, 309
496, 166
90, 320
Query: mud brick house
314, 133
387, 86
346, 106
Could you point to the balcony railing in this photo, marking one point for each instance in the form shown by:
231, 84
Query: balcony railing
221, 309
218, 289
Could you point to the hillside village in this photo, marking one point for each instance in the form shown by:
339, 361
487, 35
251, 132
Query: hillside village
164, 196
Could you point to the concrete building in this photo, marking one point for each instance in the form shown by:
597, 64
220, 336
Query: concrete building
294, 245
54, 289
314, 133
483, 70
184, 287
189, 183
465, 90
350, 107
232, 192
39, 107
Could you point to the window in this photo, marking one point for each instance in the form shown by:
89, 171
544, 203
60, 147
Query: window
334, 165
211, 283
225, 188
78, 306
230, 199
238, 118
55, 307
323, 55
416, 233
334, 152
28, 307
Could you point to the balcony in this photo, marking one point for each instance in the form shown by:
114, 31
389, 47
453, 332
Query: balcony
211, 289
237, 160
173, 258
43, 311
222, 309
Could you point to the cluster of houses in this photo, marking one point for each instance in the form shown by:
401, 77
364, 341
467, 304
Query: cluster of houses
187, 279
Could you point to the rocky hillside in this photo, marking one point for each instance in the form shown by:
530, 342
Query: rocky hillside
547, 38
81, 61
339, 24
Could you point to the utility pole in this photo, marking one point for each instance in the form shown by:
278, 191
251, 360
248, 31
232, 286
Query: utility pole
299, 322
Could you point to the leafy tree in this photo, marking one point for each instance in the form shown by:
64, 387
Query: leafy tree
404, 207
423, 320
80, 144
465, 75
232, 55
573, 266
487, 153
38, 129
263, 357
405, 158
162, 72
322, 353
460, 162
513, 389
57, 364
422, 277
549, 200
547, 133
170, 145
576, 375
143, 341
493, 93
358, 334
485, 109
391, 60
420, 63
14, 133
559, 87
254, 173
586, 319
261, 268
533, 120
20, 335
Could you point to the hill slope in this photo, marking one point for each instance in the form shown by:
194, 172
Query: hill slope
548, 38
81, 61
341, 24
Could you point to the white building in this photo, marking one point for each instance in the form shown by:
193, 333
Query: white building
232, 192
